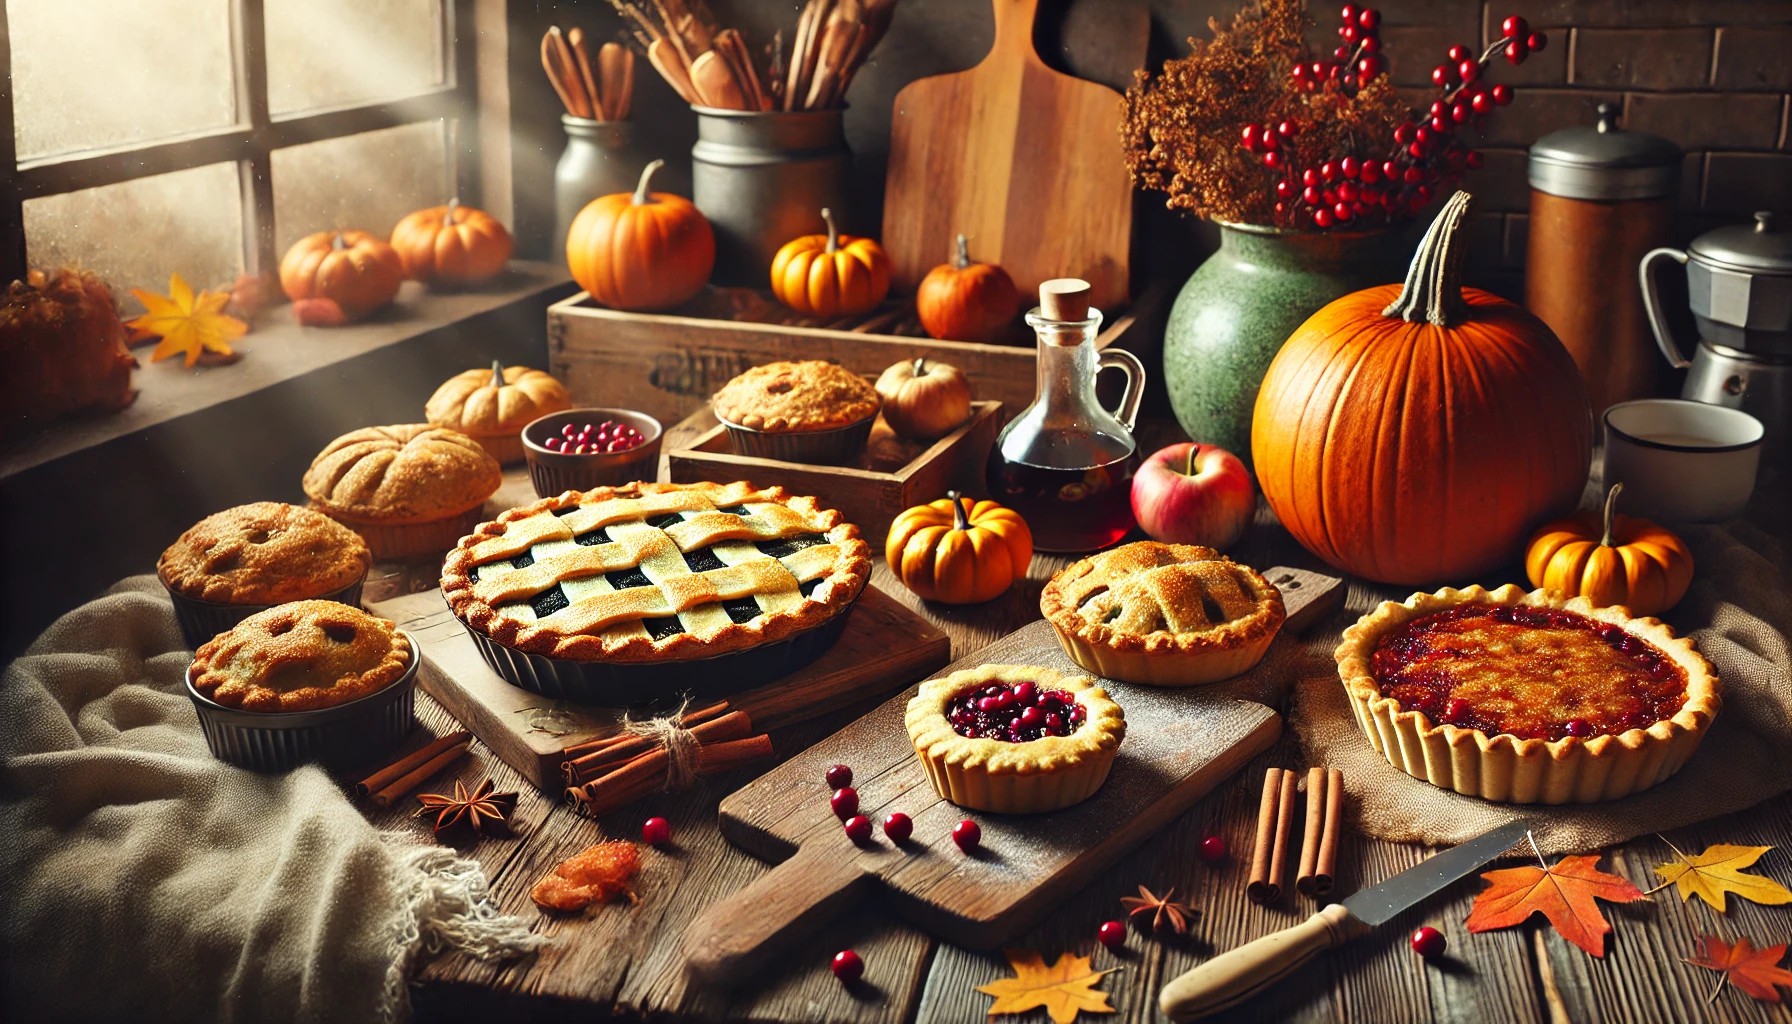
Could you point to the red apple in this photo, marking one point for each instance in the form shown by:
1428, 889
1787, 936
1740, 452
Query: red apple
1194, 494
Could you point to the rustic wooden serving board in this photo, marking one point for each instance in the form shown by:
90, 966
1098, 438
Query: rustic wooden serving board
885, 645
1023, 160
1180, 743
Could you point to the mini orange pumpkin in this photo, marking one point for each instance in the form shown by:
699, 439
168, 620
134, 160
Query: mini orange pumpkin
957, 552
452, 245
831, 274
641, 250
967, 301
356, 270
924, 400
1611, 559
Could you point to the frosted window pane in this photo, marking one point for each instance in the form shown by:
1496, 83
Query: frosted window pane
363, 181
330, 53
101, 73
135, 233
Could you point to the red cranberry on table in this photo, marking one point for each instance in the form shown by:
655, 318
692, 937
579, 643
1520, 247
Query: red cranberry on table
1112, 934
898, 827
838, 777
848, 966
968, 835
845, 802
1428, 942
1213, 849
656, 832
858, 828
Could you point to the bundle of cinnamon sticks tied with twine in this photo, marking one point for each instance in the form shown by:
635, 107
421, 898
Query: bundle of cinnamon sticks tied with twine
659, 755
1275, 822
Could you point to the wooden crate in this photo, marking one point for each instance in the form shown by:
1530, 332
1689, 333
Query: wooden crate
669, 364
890, 475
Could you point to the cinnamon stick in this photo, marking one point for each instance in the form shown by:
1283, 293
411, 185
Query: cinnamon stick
1327, 868
400, 789
1265, 852
1311, 839
691, 718
405, 765
731, 726
646, 774
718, 758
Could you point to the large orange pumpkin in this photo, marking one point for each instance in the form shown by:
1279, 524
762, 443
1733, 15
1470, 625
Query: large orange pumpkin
831, 274
356, 270
452, 244
966, 301
1611, 559
958, 552
641, 250
1418, 434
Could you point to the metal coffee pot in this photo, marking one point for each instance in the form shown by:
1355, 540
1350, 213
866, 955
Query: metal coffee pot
1740, 282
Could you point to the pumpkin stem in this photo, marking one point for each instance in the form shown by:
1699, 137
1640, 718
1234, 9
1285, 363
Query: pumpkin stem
1611, 514
960, 511
448, 220
1193, 450
961, 253
1433, 290
833, 232
497, 373
920, 371
640, 197
336, 242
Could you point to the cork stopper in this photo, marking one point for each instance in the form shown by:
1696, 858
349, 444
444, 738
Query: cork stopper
1065, 299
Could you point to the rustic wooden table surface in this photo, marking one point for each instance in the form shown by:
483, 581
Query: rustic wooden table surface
624, 960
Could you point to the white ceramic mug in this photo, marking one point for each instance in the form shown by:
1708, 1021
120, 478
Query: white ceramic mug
1682, 461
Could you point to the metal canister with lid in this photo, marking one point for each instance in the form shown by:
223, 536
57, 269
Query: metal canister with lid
1601, 197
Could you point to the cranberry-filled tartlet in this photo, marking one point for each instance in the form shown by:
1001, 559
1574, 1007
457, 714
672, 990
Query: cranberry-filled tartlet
1527, 697
1015, 739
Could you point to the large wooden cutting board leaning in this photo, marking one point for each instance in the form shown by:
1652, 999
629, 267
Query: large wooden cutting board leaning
884, 646
1023, 160
1180, 743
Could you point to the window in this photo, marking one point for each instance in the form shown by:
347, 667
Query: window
204, 136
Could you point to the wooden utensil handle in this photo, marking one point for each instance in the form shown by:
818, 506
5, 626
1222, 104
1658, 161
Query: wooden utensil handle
739, 935
1239, 974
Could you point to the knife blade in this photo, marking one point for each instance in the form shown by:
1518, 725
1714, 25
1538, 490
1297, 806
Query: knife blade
1239, 974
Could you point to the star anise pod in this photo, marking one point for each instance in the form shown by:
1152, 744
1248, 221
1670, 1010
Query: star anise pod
481, 812
1161, 908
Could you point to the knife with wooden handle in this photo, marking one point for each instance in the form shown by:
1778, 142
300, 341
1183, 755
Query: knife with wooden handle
1240, 974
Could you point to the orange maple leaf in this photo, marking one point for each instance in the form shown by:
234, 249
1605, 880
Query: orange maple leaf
1564, 894
1065, 989
1755, 971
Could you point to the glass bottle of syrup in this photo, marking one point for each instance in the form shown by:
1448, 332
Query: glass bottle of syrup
1065, 463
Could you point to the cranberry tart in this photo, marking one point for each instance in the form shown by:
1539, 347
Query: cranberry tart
1163, 614
1015, 739
1527, 697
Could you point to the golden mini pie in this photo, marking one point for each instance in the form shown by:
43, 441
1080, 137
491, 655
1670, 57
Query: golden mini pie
300, 657
1163, 614
263, 553
652, 572
794, 397
408, 490
492, 406
1526, 697
1015, 739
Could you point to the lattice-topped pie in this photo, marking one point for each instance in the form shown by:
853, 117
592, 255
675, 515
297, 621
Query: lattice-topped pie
652, 572
1163, 614
1529, 698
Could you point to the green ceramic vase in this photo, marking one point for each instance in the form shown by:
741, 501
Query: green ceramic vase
1237, 309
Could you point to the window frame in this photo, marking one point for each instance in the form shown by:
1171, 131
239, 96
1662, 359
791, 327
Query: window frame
251, 142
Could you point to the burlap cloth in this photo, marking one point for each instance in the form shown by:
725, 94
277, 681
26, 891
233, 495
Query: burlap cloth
1738, 611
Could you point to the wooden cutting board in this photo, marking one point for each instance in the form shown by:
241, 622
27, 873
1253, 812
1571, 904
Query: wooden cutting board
885, 646
1023, 160
1180, 743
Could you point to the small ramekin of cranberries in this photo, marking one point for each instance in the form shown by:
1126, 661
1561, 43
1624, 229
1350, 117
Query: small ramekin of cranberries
578, 449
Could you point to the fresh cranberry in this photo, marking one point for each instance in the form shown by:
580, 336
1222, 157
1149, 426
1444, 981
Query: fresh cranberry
858, 828
1370, 19
1428, 942
898, 826
968, 835
656, 832
845, 802
1112, 934
848, 966
1536, 42
1213, 849
569, 430
1442, 76
1517, 51
839, 777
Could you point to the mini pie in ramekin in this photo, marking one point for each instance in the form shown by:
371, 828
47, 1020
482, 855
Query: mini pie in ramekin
1058, 737
1534, 698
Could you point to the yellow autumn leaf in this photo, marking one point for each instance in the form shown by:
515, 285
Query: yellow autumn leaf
1720, 870
187, 323
1064, 988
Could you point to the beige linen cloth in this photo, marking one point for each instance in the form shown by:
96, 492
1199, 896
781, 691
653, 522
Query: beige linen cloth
1738, 611
146, 880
